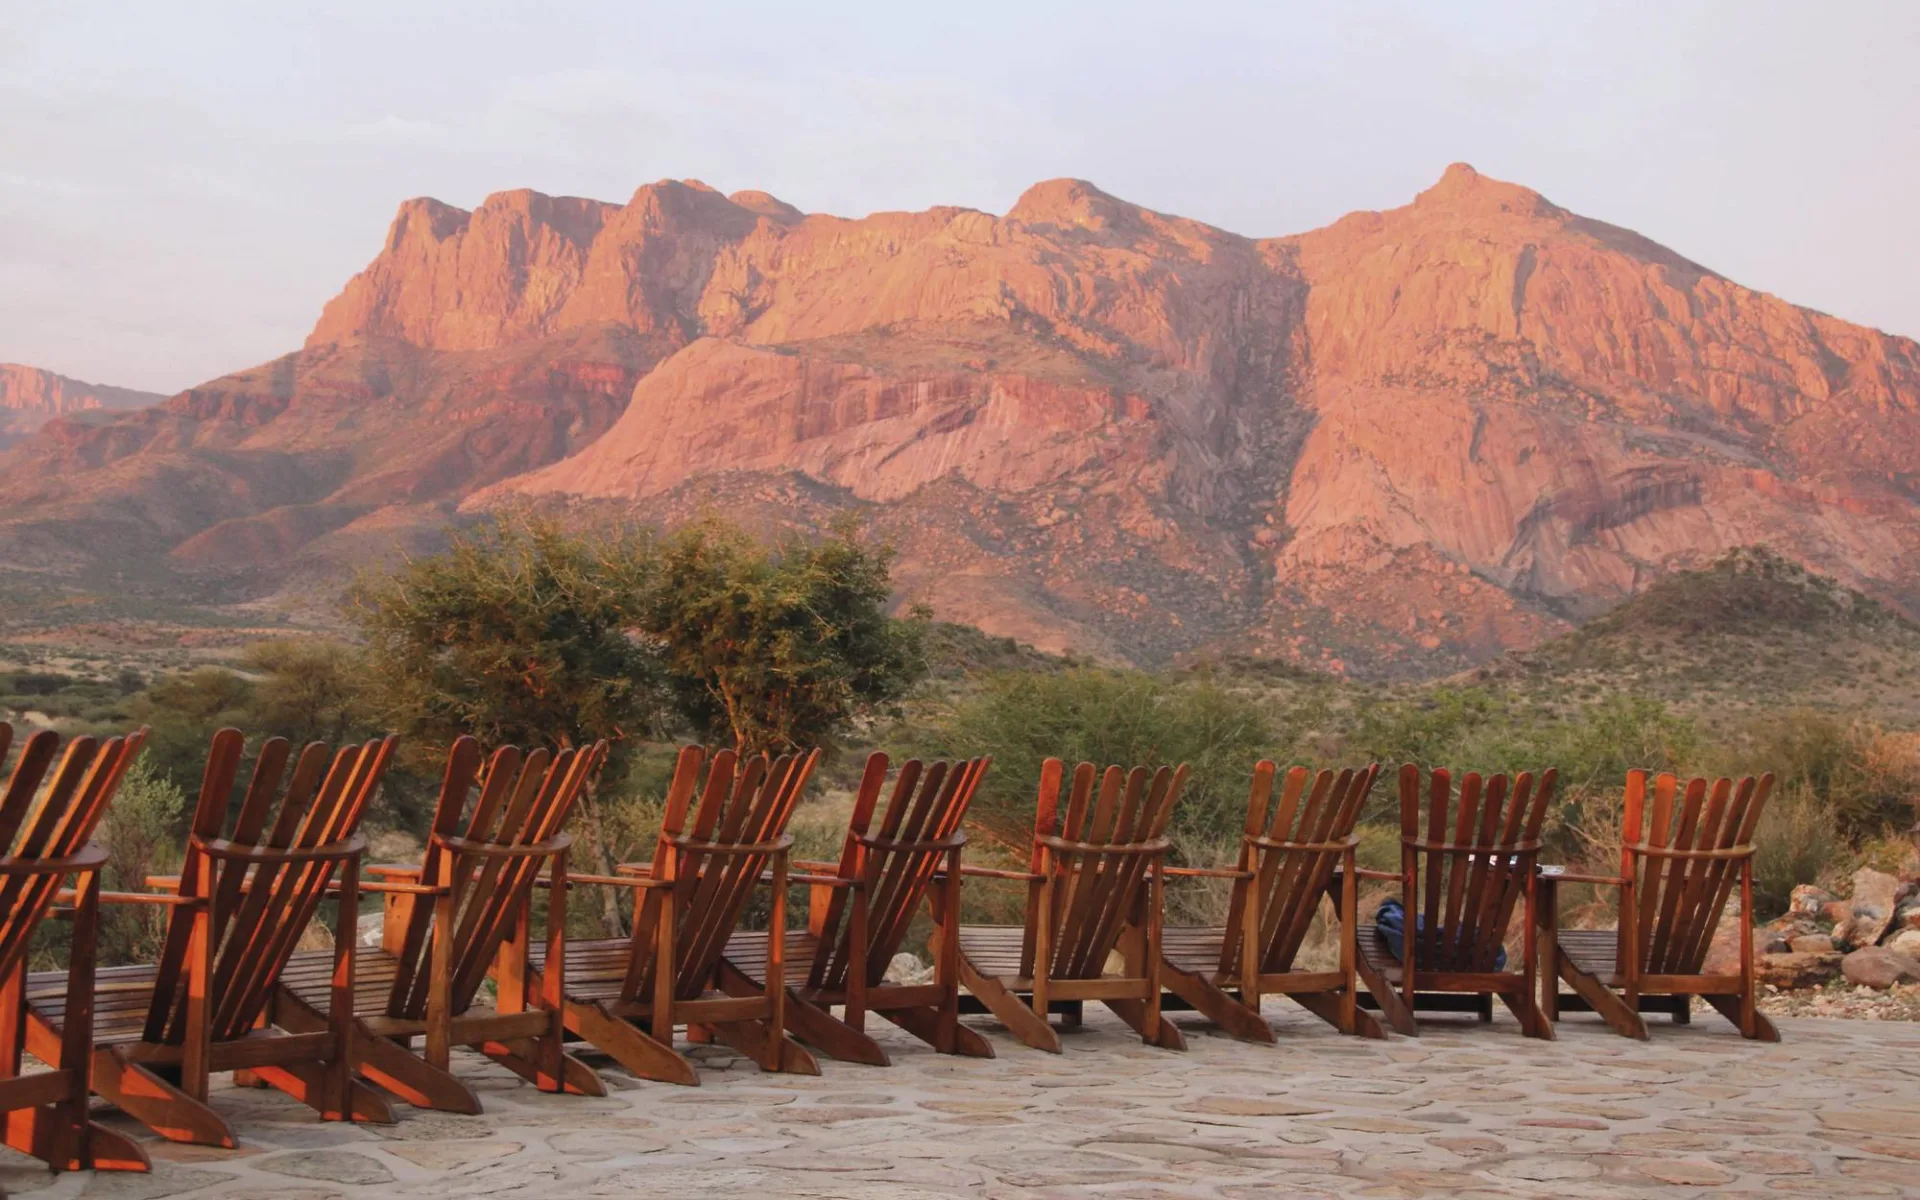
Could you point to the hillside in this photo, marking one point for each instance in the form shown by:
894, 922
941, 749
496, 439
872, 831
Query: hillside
1750, 632
1395, 447
30, 397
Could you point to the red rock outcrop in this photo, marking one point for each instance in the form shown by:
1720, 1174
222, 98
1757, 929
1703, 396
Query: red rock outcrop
1397, 444
30, 397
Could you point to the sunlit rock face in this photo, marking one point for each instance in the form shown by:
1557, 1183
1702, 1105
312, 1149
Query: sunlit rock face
1398, 444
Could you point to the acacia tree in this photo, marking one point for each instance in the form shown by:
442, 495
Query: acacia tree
779, 648
518, 633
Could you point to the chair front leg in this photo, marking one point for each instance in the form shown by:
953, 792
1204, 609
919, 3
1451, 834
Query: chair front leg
777, 966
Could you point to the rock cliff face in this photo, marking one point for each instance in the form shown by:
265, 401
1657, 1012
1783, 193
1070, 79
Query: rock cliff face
30, 397
1397, 444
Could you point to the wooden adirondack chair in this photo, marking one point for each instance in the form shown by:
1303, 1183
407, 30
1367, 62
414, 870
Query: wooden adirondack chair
1678, 865
860, 911
1289, 853
1460, 881
687, 903
466, 909
45, 1114
1094, 887
246, 893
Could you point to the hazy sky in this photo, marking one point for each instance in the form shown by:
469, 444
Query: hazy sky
183, 185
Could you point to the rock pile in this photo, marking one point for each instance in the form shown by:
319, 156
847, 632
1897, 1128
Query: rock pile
1872, 938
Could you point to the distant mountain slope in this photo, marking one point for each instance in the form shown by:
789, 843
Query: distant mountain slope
1750, 632
1396, 446
30, 397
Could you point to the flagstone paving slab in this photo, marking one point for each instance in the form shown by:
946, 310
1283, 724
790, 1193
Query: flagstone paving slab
1468, 1110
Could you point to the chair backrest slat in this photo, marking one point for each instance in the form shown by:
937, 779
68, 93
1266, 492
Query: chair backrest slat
1097, 889
743, 802
1288, 881
1471, 853
1684, 862
927, 805
60, 812
524, 800
258, 911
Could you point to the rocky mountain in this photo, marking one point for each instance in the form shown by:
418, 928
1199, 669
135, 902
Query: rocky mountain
30, 397
1399, 444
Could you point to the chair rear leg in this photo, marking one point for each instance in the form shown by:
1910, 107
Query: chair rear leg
1216, 1005
309, 1084
522, 1057
157, 1104
1332, 1008
1762, 1029
382, 1061
810, 1022
1020, 1020
1611, 1006
924, 1023
1393, 1005
136, 1091
750, 1039
1153, 1031
1525, 1006
626, 1044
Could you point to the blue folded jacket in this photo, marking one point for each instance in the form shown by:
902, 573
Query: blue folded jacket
1391, 924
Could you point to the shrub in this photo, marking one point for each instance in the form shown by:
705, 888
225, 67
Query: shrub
779, 649
1106, 716
141, 833
1796, 842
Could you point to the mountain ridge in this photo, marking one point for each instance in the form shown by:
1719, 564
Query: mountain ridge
1402, 443
32, 396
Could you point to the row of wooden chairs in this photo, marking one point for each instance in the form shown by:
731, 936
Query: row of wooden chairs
461, 963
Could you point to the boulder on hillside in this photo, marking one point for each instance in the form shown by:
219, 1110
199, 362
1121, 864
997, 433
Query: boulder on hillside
1879, 968
1789, 971
1808, 900
1904, 941
1875, 896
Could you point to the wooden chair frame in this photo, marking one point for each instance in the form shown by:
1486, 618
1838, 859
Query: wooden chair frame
1096, 897
1479, 871
467, 909
1278, 885
859, 913
46, 1114
672, 973
1675, 878
239, 906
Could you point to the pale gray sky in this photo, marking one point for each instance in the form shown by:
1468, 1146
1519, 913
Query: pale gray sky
184, 184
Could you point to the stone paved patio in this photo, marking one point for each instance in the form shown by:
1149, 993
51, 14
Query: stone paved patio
1466, 1110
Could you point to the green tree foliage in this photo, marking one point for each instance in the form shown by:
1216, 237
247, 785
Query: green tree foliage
183, 710
1105, 716
141, 835
306, 690
779, 649
518, 633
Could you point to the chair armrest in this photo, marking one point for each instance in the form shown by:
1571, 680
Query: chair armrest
816, 865
1210, 872
626, 881
392, 870
163, 883
796, 877
993, 873
1554, 874
391, 888
148, 898
1383, 876
635, 869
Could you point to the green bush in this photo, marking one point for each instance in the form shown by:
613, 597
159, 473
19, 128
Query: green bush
1796, 842
1104, 717
142, 833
